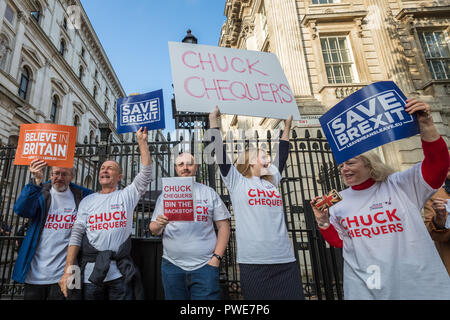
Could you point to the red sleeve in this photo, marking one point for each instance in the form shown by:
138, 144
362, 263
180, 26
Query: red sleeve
331, 236
436, 162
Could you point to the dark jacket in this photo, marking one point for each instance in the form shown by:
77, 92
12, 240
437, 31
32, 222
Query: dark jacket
102, 260
34, 203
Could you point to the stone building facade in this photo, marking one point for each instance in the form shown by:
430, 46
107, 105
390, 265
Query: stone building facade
53, 69
331, 48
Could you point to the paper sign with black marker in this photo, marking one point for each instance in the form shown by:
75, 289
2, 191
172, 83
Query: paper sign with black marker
368, 118
144, 110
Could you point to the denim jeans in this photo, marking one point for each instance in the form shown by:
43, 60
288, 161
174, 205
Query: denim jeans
199, 284
42, 292
110, 290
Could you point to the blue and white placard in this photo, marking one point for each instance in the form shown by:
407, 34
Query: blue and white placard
368, 118
144, 110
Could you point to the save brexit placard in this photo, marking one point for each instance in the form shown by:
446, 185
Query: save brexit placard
368, 118
144, 110
178, 198
50, 142
240, 82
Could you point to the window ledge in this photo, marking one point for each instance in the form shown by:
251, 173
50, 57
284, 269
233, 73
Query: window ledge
333, 17
342, 90
424, 12
445, 82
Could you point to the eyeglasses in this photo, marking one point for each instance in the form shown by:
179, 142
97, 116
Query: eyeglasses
62, 174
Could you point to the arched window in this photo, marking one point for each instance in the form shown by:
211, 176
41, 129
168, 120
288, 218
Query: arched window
62, 47
76, 121
25, 78
64, 23
80, 72
36, 13
91, 137
54, 109
95, 92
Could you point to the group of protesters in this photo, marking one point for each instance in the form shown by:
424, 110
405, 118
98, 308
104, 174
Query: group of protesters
404, 264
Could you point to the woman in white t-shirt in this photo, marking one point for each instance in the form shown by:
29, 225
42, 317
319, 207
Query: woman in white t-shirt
267, 265
387, 251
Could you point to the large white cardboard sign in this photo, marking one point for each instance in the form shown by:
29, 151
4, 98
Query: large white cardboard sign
241, 82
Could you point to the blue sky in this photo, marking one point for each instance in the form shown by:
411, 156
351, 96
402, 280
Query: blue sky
134, 35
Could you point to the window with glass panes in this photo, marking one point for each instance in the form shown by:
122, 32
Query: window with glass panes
338, 59
436, 47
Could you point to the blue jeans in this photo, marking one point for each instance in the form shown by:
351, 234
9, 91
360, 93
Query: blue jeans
111, 290
199, 284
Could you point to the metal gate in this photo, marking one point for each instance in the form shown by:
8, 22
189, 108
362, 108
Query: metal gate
310, 171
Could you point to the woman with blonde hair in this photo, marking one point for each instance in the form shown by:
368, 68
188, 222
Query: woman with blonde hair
387, 251
267, 265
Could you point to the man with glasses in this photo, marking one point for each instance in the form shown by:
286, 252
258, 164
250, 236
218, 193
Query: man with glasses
51, 208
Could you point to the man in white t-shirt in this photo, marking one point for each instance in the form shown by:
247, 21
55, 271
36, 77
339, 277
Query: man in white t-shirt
105, 219
192, 251
51, 209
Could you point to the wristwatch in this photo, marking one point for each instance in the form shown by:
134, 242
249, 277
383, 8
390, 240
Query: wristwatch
217, 256
323, 225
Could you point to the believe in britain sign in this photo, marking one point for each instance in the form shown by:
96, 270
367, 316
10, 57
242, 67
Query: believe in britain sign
368, 118
145, 110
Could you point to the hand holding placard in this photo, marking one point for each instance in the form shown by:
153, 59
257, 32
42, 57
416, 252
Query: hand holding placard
144, 110
50, 142
37, 170
178, 198
368, 118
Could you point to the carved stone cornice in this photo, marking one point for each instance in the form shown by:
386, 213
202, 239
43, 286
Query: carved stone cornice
311, 21
438, 11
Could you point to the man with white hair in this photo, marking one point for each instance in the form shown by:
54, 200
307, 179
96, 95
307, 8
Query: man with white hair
192, 251
51, 208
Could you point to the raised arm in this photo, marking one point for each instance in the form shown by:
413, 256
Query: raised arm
283, 150
225, 166
28, 200
436, 158
144, 177
142, 138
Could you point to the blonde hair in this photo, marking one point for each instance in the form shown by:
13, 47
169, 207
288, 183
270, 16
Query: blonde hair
246, 159
379, 171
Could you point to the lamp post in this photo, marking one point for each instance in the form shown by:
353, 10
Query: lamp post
193, 121
188, 120
189, 38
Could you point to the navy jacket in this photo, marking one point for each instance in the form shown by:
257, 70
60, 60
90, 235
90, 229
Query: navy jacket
34, 203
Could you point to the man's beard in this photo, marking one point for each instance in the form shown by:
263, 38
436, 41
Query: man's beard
61, 188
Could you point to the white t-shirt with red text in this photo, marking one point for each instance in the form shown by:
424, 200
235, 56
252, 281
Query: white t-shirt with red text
108, 219
49, 260
388, 252
190, 244
261, 233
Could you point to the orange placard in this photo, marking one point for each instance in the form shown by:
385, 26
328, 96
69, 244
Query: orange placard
50, 142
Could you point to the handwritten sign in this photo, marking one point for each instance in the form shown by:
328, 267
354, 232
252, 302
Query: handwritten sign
240, 82
145, 110
50, 142
368, 118
178, 198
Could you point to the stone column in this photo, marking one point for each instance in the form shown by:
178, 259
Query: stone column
390, 50
286, 39
17, 51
